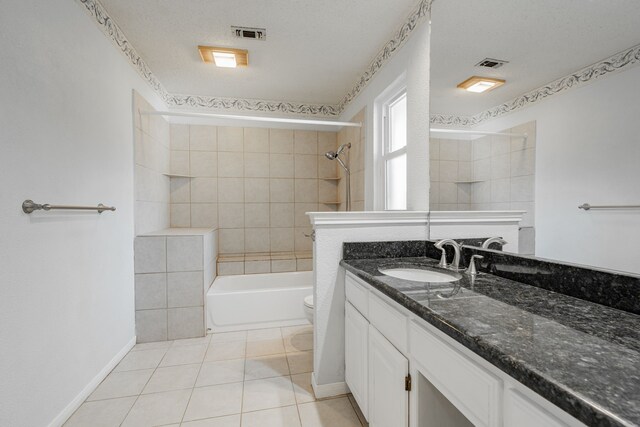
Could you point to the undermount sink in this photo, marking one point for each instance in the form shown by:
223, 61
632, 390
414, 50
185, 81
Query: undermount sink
421, 275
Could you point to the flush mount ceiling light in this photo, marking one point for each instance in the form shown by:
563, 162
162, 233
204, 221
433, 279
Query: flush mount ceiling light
224, 57
480, 84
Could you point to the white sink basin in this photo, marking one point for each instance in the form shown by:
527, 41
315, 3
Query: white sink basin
420, 275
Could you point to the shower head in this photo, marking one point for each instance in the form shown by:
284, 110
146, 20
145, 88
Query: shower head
342, 147
331, 155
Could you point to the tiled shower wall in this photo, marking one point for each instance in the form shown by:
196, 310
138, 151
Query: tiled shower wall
151, 142
356, 137
500, 171
254, 185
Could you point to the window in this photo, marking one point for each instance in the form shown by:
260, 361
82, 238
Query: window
394, 152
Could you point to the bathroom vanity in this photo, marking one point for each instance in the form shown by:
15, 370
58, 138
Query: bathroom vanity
488, 350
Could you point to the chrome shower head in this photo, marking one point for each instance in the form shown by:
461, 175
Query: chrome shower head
331, 155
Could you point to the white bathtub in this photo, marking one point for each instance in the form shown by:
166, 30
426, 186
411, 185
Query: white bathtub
255, 301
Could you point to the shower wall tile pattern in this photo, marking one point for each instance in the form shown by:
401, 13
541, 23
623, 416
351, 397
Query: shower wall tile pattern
254, 185
355, 157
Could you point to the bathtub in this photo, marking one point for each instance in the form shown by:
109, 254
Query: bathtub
253, 301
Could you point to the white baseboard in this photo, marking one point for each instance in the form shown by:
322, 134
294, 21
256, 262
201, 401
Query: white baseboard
328, 390
64, 415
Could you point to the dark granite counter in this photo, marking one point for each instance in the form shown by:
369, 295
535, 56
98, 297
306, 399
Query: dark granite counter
582, 356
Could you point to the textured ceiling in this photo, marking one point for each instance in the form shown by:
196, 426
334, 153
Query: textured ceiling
543, 40
314, 52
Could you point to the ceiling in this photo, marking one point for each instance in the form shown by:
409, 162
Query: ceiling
315, 50
543, 40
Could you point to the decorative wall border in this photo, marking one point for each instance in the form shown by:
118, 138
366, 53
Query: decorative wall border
387, 52
615, 63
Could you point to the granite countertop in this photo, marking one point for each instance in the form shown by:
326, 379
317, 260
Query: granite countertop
581, 356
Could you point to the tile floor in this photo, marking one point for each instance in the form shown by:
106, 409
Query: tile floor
248, 378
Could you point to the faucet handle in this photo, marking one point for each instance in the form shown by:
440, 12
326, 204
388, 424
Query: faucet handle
472, 265
443, 259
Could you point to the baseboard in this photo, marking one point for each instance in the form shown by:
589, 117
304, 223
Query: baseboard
64, 415
328, 390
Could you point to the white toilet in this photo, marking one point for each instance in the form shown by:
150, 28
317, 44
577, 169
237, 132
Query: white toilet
308, 307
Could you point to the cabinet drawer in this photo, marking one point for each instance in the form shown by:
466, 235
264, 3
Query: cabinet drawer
357, 294
389, 321
469, 387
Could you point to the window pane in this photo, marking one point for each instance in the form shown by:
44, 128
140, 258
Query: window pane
396, 191
398, 124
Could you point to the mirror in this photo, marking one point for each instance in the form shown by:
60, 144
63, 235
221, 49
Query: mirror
550, 124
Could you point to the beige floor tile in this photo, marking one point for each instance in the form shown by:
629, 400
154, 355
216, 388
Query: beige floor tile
300, 362
300, 329
229, 336
276, 417
267, 393
298, 342
265, 347
192, 341
266, 367
264, 334
143, 359
214, 401
158, 409
121, 384
228, 421
356, 408
184, 355
152, 345
102, 413
172, 378
225, 351
328, 413
221, 372
302, 388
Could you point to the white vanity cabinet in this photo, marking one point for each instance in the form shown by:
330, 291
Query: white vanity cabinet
452, 386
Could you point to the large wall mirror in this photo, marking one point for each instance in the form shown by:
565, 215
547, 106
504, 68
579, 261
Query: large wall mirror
535, 106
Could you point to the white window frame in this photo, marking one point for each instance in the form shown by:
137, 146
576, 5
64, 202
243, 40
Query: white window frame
392, 95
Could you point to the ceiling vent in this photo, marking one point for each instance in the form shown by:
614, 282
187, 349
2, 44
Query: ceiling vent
249, 33
491, 63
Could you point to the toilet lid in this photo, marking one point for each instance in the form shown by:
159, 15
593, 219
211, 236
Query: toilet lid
308, 301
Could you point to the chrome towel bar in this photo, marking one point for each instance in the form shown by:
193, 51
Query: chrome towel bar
587, 206
29, 206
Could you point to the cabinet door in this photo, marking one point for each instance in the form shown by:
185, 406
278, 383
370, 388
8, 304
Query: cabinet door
356, 333
388, 368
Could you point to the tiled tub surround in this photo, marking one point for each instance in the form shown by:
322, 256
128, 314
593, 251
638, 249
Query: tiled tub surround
488, 173
355, 160
581, 356
255, 185
151, 168
173, 271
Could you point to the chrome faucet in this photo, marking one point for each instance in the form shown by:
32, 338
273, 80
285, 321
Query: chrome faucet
455, 265
499, 240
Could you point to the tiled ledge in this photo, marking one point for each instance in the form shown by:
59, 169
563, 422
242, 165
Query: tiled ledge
276, 262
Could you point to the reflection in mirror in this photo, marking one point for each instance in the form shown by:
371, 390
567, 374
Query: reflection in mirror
550, 122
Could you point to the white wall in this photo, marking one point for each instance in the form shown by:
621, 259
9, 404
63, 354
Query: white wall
411, 63
66, 293
587, 150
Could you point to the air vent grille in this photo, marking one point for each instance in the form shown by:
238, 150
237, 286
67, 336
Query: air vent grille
249, 33
491, 63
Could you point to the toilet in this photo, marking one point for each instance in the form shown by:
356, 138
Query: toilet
308, 307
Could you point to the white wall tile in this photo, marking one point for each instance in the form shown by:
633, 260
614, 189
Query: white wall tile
232, 241
230, 268
500, 166
283, 265
256, 215
180, 190
448, 192
482, 169
500, 145
256, 190
464, 193
281, 141
281, 166
204, 190
256, 140
256, 165
185, 289
465, 171
481, 148
306, 190
230, 190
281, 215
301, 219
305, 166
448, 171
305, 142
231, 215
203, 138
185, 322
230, 139
327, 141
448, 149
282, 240
230, 164
522, 189
500, 190
179, 137
184, 253
434, 149
179, 162
481, 192
180, 215
151, 291
256, 267
257, 240
434, 170
465, 152
150, 254
204, 164
523, 162
204, 215
151, 325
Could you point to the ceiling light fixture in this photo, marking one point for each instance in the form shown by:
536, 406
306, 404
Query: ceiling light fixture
224, 57
480, 84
